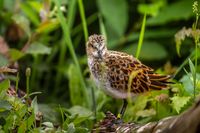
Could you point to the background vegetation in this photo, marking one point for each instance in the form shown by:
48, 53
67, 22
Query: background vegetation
48, 37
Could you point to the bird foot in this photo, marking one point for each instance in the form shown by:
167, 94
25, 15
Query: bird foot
118, 121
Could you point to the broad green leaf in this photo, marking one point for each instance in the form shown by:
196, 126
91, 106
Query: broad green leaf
139, 104
5, 105
48, 26
71, 128
83, 113
38, 48
152, 8
48, 124
179, 102
30, 12
49, 113
162, 110
149, 34
187, 81
34, 105
36, 5
169, 13
4, 85
146, 113
26, 124
15, 54
149, 51
115, 13
3, 61
23, 22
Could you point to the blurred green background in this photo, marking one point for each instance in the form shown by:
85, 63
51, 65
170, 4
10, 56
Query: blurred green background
49, 37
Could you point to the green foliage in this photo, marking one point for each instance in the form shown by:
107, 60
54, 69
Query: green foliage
149, 51
179, 102
110, 11
15, 54
151, 9
169, 13
3, 61
38, 48
49, 36
4, 85
76, 90
187, 81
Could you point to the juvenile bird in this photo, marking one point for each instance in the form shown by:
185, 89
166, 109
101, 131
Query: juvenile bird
120, 75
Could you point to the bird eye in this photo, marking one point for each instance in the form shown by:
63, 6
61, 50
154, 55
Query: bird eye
91, 45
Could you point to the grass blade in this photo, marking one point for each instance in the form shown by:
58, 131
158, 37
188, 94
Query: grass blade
141, 37
68, 41
84, 23
102, 26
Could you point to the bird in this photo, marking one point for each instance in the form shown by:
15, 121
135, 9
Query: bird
119, 74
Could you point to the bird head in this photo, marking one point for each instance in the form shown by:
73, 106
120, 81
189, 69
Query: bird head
96, 46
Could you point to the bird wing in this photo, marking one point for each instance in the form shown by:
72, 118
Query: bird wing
145, 79
128, 74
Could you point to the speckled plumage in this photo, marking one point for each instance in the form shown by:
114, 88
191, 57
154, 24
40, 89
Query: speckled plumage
119, 73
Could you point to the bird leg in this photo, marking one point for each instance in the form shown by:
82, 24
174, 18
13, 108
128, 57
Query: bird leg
121, 114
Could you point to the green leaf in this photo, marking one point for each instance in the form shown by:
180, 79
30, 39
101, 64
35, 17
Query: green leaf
82, 130
187, 81
48, 124
4, 85
5, 105
71, 128
179, 102
48, 26
27, 124
23, 22
49, 113
83, 113
34, 105
15, 54
152, 8
169, 13
162, 110
36, 5
115, 13
31, 14
149, 51
37, 48
192, 68
3, 61
139, 104
75, 87
146, 113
